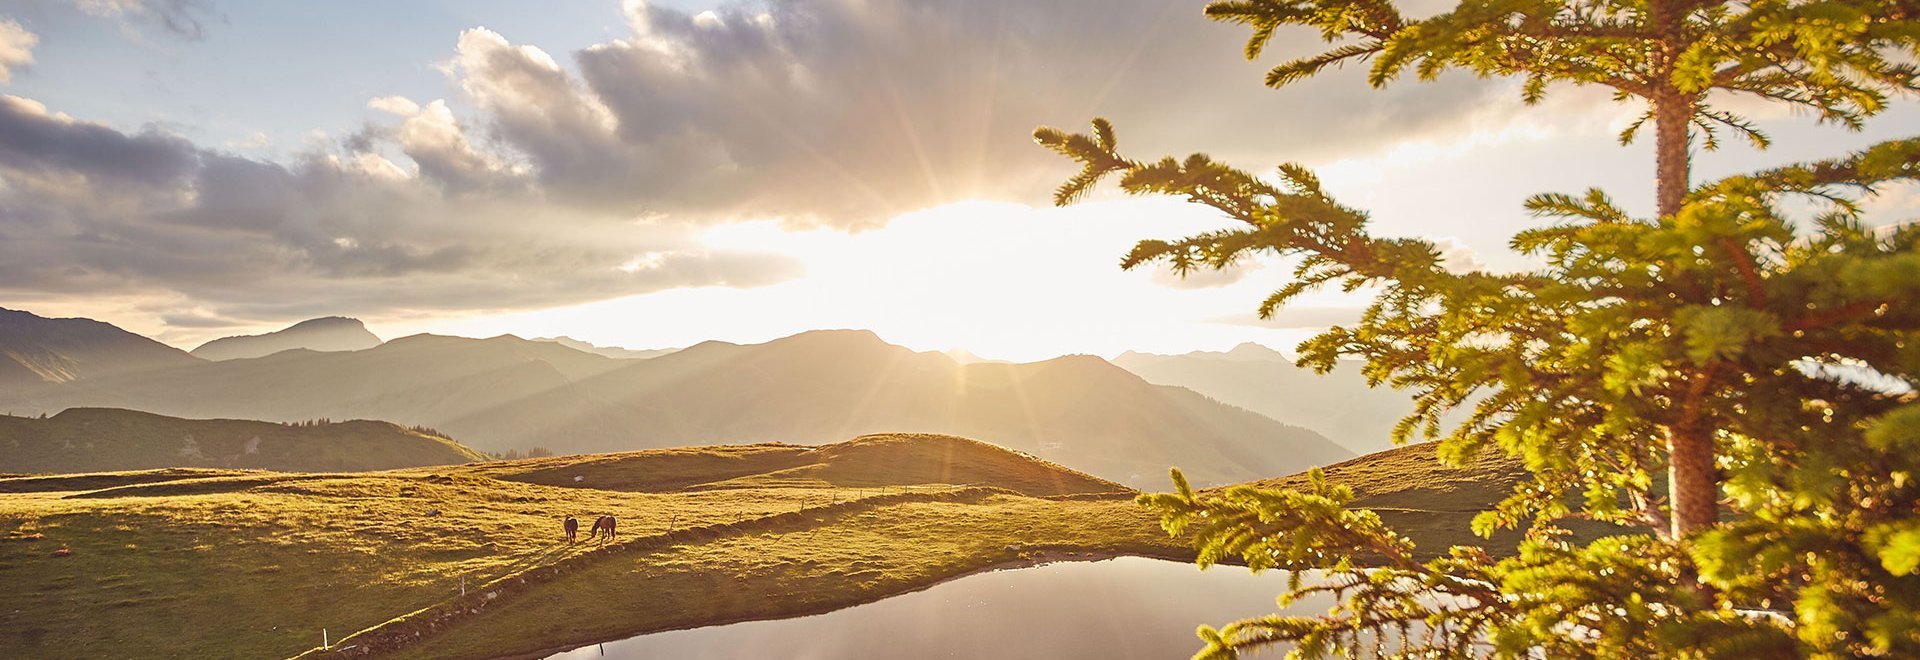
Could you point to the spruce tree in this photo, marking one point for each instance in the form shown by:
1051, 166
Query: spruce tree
1721, 336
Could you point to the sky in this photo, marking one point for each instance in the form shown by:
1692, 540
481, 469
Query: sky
655, 174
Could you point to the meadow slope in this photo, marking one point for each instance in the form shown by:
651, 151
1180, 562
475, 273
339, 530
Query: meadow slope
199, 562
183, 563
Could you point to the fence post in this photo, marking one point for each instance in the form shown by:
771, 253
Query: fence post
324, 642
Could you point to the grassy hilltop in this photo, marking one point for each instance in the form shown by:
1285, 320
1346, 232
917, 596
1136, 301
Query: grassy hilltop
103, 439
254, 564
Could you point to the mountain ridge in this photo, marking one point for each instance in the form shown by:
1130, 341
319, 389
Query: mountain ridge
323, 334
505, 393
36, 349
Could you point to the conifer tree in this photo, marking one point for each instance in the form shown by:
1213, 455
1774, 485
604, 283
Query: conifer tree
1721, 336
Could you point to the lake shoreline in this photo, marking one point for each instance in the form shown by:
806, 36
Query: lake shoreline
1029, 559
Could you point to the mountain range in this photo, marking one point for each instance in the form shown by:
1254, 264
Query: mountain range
35, 350
511, 393
1338, 405
615, 352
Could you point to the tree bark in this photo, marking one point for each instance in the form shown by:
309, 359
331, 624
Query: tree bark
1692, 478
1672, 116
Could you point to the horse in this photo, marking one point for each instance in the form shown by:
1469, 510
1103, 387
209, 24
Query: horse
573, 529
606, 523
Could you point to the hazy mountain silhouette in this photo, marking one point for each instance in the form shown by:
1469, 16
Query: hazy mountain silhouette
615, 352
1338, 405
105, 439
36, 350
506, 392
330, 333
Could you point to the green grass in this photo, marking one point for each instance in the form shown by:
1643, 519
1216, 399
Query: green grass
192, 563
1434, 504
259, 568
871, 461
253, 564
835, 562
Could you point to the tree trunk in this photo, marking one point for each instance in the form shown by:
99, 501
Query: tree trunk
1672, 116
1693, 480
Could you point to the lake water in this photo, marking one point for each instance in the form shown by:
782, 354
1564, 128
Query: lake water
1125, 608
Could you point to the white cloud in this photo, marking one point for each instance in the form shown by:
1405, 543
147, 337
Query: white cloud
1457, 256
16, 48
433, 138
839, 112
398, 106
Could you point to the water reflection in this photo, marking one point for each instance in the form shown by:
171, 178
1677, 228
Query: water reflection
1126, 608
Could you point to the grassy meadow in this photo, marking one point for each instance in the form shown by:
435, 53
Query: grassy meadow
184, 563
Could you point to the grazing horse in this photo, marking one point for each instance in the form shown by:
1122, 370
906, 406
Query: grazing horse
606, 523
573, 528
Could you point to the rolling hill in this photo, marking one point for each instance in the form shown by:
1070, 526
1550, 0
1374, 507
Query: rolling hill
467, 560
1432, 503
104, 439
331, 333
510, 393
888, 459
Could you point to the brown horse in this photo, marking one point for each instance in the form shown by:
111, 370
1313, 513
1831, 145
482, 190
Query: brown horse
573, 528
604, 522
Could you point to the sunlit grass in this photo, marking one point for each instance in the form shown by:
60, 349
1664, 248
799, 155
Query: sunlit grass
256, 564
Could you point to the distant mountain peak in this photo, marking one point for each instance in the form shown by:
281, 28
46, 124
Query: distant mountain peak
616, 352
840, 334
325, 334
833, 339
1253, 351
328, 321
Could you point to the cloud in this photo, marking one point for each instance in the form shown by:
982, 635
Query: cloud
1456, 256
91, 210
433, 138
395, 105
45, 149
16, 48
550, 179
199, 320
180, 17
849, 112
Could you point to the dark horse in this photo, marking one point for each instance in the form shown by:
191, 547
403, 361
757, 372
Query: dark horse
606, 523
573, 528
